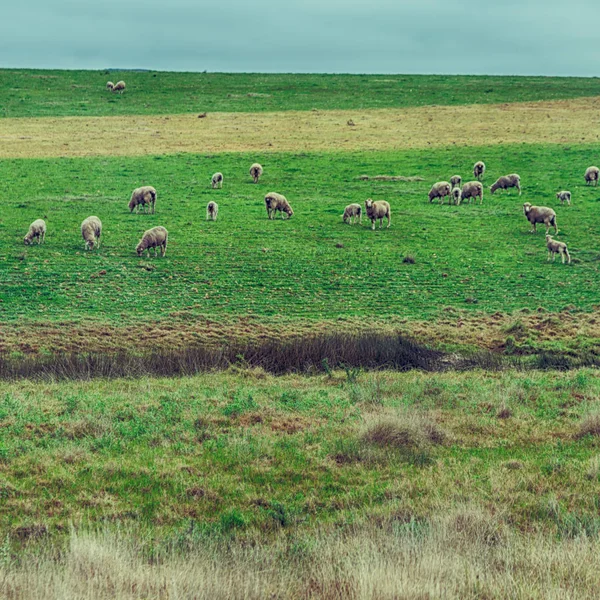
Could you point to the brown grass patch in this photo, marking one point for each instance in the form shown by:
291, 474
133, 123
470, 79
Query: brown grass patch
557, 122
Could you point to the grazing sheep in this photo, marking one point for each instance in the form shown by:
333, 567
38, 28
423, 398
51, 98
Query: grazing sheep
479, 170
217, 180
472, 189
276, 202
540, 214
456, 196
110, 86
91, 230
119, 87
212, 210
36, 230
144, 196
455, 181
378, 210
507, 181
591, 175
153, 238
555, 248
352, 213
440, 190
256, 171
564, 196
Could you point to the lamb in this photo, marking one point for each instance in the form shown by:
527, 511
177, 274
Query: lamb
440, 190
591, 175
540, 214
276, 202
36, 230
91, 230
456, 196
119, 87
455, 181
212, 210
555, 248
256, 171
507, 181
153, 238
110, 86
217, 180
479, 170
352, 213
378, 210
144, 196
472, 189
564, 196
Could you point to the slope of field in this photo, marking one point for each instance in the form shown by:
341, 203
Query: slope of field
313, 266
557, 122
31, 93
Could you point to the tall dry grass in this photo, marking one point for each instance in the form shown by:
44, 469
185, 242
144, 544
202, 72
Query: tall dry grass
468, 553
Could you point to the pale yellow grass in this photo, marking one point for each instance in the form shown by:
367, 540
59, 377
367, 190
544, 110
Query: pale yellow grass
468, 554
556, 122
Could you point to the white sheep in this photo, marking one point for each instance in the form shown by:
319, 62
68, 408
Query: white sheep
155, 238
217, 180
591, 175
440, 190
144, 196
212, 210
479, 170
472, 190
276, 202
36, 230
91, 230
378, 210
540, 214
256, 171
505, 182
352, 213
555, 248
564, 196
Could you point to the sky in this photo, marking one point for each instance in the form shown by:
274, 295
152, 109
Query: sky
505, 37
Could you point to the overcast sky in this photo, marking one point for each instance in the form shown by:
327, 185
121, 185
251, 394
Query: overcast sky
545, 37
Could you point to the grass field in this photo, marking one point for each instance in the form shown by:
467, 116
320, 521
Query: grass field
325, 482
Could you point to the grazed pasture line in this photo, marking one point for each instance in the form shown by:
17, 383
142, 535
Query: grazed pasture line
553, 122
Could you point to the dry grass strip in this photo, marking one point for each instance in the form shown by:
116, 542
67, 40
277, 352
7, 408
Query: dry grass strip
556, 122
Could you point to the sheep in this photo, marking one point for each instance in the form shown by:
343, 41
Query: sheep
591, 175
507, 181
455, 181
440, 190
555, 248
276, 202
110, 86
472, 189
119, 87
479, 170
378, 210
36, 230
212, 210
144, 196
564, 195
256, 171
153, 238
91, 230
456, 195
217, 180
352, 213
540, 214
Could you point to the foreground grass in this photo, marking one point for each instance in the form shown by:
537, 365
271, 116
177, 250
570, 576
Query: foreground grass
314, 266
33, 93
352, 485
